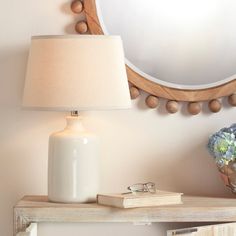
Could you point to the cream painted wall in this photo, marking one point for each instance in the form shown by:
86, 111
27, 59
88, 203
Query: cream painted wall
137, 144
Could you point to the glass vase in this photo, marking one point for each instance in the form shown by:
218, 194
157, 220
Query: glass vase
228, 174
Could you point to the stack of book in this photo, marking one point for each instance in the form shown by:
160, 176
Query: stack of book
132, 200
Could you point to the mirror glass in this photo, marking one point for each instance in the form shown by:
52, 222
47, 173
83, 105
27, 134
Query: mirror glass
178, 43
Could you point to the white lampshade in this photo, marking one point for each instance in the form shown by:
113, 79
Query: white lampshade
76, 73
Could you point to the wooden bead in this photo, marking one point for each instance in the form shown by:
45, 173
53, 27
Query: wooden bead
172, 106
232, 100
152, 101
194, 108
130, 84
81, 27
215, 105
134, 92
77, 6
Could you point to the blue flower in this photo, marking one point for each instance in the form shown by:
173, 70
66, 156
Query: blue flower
233, 129
222, 145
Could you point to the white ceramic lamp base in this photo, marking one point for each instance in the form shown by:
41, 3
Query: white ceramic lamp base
73, 164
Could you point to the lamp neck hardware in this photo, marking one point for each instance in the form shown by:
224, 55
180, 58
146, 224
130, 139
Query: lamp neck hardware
74, 113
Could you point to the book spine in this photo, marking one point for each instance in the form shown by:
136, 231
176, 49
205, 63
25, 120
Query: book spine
110, 201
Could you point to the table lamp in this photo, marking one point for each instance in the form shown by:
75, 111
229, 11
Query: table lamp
75, 73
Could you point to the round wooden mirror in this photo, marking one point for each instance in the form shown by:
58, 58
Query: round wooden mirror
181, 44
181, 50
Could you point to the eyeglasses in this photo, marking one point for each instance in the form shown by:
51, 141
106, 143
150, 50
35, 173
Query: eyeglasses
142, 187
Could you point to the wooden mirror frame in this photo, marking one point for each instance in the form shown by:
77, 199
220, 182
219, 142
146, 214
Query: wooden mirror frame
154, 89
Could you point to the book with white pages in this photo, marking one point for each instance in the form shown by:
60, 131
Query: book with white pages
144, 199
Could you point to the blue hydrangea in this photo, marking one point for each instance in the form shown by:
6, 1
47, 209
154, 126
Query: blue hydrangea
222, 145
233, 129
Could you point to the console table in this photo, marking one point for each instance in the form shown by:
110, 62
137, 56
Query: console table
36, 209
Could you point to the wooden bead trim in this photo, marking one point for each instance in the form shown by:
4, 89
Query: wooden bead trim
232, 100
172, 107
152, 101
77, 6
134, 92
215, 105
194, 108
81, 27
